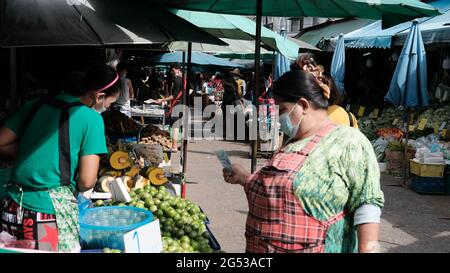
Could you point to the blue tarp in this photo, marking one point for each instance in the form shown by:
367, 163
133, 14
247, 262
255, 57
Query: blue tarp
338, 65
282, 64
197, 58
409, 84
434, 31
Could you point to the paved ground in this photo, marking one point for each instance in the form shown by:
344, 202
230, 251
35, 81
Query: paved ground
411, 222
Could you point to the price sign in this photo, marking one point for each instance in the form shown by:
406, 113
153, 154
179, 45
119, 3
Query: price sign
145, 239
361, 111
422, 124
375, 113
412, 128
395, 122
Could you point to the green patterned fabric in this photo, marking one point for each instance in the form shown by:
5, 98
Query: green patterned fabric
341, 172
66, 208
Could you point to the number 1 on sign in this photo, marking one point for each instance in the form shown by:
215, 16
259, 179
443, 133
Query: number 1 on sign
136, 236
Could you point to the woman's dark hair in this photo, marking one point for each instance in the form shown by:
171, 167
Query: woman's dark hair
298, 84
74, 83
95, 78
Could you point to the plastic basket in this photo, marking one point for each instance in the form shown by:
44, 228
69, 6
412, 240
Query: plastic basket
427, 170
213, 243
105, 226
429, 185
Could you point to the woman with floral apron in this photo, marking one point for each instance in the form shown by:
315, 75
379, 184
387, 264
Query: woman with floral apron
321, 191
59, 140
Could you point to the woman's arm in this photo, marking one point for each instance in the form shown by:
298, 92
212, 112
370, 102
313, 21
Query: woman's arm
8, 143
237, 175
169, 98
131, 90
368, 238
88, 169
7, 136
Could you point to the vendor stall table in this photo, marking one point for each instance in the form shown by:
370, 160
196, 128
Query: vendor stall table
151, 112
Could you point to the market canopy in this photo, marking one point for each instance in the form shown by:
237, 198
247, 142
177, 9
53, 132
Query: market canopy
391, 11
434, 30
234, 47
92, 22
373, 36
241, 28
197, 58
314, 35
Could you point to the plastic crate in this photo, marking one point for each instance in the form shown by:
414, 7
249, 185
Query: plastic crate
447, 178
430, 185
427, 170
213, 243
105, 226
206, 219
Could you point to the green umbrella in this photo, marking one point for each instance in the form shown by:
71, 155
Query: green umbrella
240, 28
391, 10
233, 47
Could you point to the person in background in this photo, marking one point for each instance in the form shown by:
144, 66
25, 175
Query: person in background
56, 143
173, 100
241, 84
321, 191
335, 112
127, 92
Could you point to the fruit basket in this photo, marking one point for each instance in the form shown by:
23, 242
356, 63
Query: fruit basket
104, 227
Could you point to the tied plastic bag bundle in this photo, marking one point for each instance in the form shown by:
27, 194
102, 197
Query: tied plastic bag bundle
9, 241
379, 146
433, 157
420, 154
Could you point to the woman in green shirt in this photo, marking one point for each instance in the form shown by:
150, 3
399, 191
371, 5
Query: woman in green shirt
56, 143
321, 191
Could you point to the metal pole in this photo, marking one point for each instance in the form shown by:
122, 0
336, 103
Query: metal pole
405, 169
186, 102
257, 77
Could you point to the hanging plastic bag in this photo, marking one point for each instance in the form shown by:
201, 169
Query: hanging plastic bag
379, 146
83, 204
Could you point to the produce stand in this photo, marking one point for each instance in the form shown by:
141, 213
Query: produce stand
138, 175
150, 112
428, 144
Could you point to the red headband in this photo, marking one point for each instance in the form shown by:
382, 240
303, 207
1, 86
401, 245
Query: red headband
109, 85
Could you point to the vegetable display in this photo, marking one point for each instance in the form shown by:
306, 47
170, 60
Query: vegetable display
182, 222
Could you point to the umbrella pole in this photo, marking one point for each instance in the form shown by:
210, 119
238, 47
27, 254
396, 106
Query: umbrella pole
256, 79
186, 104
405, 167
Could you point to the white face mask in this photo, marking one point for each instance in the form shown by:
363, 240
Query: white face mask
286, 124
101, 110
